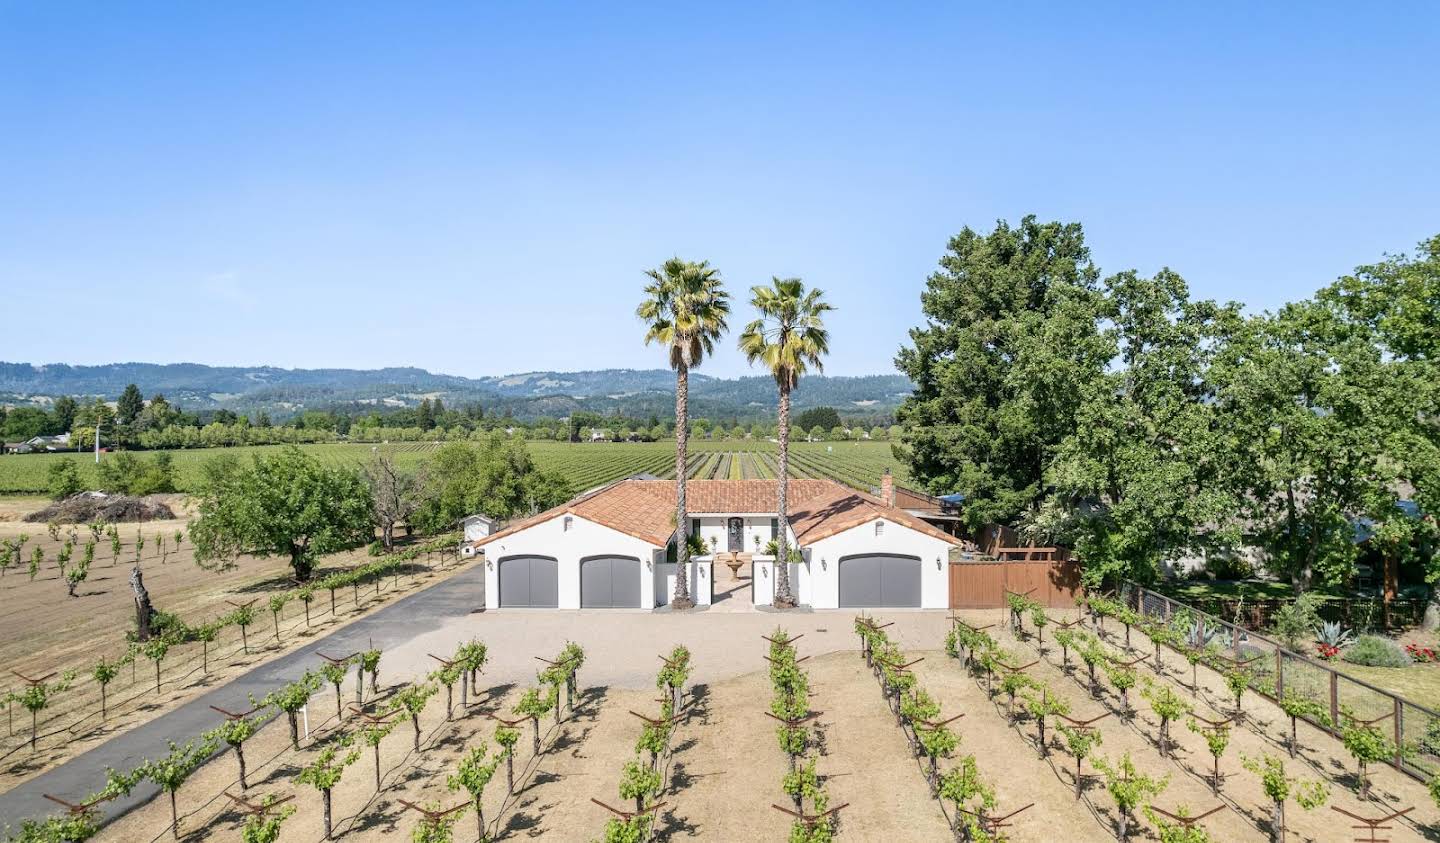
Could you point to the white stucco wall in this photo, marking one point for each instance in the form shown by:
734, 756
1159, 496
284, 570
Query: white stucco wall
762, 583
584, 539
824, 555
701, 582
715, 528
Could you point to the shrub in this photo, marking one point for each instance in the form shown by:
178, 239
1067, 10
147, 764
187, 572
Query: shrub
1375, 651
64, 479
1296, 620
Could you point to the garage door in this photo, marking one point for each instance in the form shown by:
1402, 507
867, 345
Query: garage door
529, 582
610, 582
879, 581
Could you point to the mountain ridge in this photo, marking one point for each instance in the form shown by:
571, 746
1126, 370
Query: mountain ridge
282, 391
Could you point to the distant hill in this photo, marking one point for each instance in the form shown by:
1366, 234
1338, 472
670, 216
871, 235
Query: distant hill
280, 392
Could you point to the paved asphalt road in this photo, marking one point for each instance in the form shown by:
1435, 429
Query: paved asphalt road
388, 627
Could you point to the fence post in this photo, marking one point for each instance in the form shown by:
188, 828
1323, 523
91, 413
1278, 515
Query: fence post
1335, 703
1399, 735
1235, 640
1279, 674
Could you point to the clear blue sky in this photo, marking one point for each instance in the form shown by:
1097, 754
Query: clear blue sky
476, 188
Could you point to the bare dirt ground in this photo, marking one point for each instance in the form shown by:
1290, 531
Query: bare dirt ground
724, 775
1263, 729
44, 631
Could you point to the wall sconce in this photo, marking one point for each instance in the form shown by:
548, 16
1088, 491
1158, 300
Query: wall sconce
490, 565
649, 564
823, 566
765, 571
700, 573
937, 563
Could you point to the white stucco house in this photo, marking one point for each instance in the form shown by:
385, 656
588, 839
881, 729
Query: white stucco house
608, 548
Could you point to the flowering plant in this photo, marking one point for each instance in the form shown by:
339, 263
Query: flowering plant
1422, 654
1328, 652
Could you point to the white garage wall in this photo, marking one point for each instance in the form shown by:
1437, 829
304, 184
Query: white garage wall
584, 539
825, 554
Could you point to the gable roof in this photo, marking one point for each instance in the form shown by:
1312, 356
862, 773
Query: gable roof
645, 509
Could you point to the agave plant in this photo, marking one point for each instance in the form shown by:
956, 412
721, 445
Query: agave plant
1332, 634
1200, 634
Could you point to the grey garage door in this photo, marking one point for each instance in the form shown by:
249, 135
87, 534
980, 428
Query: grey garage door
879, 581
610, 582
529, 582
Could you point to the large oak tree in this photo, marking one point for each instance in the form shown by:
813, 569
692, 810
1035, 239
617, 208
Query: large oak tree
283, 504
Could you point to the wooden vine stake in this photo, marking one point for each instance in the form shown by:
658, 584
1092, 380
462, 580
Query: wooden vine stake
1186, 823
1084, 727
990, 824
1372, 825
810, 819
627, 816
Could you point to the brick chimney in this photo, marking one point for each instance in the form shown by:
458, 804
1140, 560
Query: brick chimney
887, 488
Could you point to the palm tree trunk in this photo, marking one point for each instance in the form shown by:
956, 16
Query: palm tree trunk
783, 598
681, 598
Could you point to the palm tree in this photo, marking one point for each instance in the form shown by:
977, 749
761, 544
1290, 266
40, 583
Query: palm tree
789, 338
684, 310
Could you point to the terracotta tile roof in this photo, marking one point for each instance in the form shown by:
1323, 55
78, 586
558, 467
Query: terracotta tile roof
645, 509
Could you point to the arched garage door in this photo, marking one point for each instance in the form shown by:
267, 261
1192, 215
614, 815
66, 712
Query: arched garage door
610, 582
879, 581
529, 582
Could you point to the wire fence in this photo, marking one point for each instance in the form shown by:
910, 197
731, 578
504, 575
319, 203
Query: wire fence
1277, 671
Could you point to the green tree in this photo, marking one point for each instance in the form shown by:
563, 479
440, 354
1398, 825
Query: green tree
1009, 342
412, 699
1130, 789
1144, 462
64, 479
788, 338
131, 402
169, 773
1395, 301
822, 417
292, 697
498, 478
1279, 787
286, 504
1318, 422
264, 827
684, 311
325, 771
234, 732
473, 775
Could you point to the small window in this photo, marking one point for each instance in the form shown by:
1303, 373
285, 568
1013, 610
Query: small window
774, 528
879, 528
568, 522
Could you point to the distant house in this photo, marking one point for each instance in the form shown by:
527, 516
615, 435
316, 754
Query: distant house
476, 527
48, 443
18, 447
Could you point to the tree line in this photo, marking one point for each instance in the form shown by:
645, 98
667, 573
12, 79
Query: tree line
1121, 415
157, 424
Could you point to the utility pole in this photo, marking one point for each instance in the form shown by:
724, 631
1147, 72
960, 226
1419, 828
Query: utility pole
97, 438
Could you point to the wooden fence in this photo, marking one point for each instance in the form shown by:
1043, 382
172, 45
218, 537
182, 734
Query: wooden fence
1054, 583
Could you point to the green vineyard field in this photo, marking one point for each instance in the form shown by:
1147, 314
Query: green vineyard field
858, 464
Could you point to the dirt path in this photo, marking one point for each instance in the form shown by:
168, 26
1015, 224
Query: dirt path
724, 775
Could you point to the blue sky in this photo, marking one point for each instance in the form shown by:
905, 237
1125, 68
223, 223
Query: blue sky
476, 188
